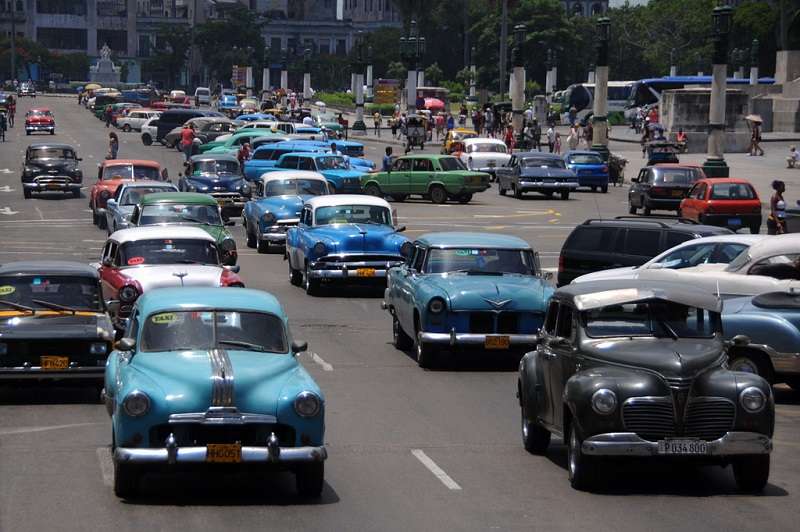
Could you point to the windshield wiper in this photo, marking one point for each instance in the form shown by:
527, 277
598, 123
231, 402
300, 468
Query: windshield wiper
242, 343
670, 331
16, 306
54, 306
478, 272
194, 220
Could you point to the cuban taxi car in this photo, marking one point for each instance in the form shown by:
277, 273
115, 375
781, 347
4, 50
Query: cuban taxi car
137, 260
219, 176
343, 238
459, 134
120, 208
50, 167
187, 208
230, 143
662, 187
27, 88
535, 171
53, 322
206, 129
40, 119
590, 169
485, 155
276, 206
228, 105
113, 173
208, 379
639, 369
726, 202
458, 291
342, 178
438, 178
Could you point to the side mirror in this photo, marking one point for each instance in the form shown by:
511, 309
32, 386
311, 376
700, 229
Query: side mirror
740, 339
406, 249
235, 268
111, 202
126, 344
229, 260
107, 261
559, 341
400, 229
229, 223
299, 347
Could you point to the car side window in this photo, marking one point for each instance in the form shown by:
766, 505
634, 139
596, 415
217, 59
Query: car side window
513, 161
116, 257
727, 252
118, 193
550, 318
642, 242
135, 216
688, 256
564, 323
422, 165
133, 327
288, 162
676, 237
306, 163
402, 165
419, 259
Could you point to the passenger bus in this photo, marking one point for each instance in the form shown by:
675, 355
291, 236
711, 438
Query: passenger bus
648, 91
581, 97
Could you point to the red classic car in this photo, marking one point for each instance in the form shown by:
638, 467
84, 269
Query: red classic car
40, 119
111, 174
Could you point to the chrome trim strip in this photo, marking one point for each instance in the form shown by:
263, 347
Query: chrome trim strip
221, 378
629, 444
475, 339
36, 372
221, 415
197, 455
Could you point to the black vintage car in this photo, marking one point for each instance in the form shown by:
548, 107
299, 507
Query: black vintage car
535, 171
53, 322
631, 368
50, 167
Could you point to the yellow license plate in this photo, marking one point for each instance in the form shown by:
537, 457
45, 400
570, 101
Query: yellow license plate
497, 342
365, 272
224, 201
50, 363
53, 187
224, 453
677, 193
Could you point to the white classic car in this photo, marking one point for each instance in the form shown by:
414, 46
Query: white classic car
136, 118
484, 154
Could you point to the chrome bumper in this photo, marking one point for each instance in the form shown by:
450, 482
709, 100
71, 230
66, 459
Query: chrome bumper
350, 270
630, 444
37, 373
54, 185
547, 185
275, 238
453, 338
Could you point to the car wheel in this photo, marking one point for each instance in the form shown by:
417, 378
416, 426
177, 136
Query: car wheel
147, 140
251, 238
500, 189
400, 339
565, 195
168, 144
465, 198
312, 286
582, 469
101, 221
126, 128
631, 209
438, 194
517, 192
295, 276
126, 480
309, 479
95, 217
26, 193
754, 229
751, 472
594, 188
52, 131
646, 210
747, 363
373, 190
424, 353
535, 438
263, 246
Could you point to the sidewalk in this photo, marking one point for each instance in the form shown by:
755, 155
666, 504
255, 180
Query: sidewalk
624, 133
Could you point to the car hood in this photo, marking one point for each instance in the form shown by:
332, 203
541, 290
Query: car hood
282, 206
682, 358
628, 272
359, 238
169, 275
342, 173
492, 292
55, 325
216, 180
52, 164
546, 172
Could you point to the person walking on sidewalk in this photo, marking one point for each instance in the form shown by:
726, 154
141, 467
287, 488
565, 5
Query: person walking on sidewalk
551, 137
755, 140
793, 160
377, 120
108, 115
776, 221
113, 146
187, 141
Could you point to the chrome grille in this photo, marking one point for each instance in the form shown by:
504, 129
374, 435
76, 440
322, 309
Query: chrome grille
51, 179
709, 418
679, 385
652, 418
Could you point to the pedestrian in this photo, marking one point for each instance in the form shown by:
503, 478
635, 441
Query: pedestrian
451, 123
113, 146
393, 125
573, 138
536, 133
776, 222
335, 149
755, 140
680, 139
551, 137
508, 138
557, 144
3, 124
187, 141
387, 160
588, 133
12, 110
572, 115
377, 120
243, 154
108, 115
529, 115
793, 160
489, 122
439, 120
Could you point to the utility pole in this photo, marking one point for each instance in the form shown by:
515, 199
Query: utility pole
503, 46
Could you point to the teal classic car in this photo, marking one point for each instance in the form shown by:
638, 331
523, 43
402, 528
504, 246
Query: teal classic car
230, 144
207, 378
341, 177
466, 290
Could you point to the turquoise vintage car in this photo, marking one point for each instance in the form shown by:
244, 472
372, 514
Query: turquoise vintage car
466, 290
209, 377
230, 144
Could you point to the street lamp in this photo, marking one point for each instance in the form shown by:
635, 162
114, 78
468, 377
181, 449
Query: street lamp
600, 111
673, 68
284, 75
412, 48
518, 85
359, 127
715, 165
473, 71
754, 62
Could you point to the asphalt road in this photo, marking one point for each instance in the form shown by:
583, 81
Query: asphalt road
409, 449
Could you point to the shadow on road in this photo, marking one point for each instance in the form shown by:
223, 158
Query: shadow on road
471, 360
49, 393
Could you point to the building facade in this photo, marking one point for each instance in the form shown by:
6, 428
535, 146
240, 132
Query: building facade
585, 8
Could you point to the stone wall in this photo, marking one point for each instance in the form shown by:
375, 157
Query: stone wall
687, 109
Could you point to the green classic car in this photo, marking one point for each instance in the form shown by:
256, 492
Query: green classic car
187, 208
434, 177
230, 144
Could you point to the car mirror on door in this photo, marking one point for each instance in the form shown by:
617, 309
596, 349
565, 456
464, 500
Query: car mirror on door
299, 347
107, 261
126, 344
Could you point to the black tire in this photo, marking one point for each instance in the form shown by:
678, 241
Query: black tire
438, 194
126, 128
26, 193
295, 276
262, 246
425, 354
95, 217
631, 208
101, 221
400, 339
309, 479
594, 188
53, 132
565, 195
126, 480
646, 210
312, 286
27, 132
251, 238
749, 363
751, 472
516, 192
465, 198
535, 438
754, 229
582, 469
500, 189
147, 140
373, 190
168, 144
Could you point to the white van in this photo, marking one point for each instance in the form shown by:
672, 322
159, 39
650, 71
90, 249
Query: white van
202, 96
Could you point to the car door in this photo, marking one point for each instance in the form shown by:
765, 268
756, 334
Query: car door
544, 362
502, 172
399, 180
403, 289
561, 361
107, 271
421, 175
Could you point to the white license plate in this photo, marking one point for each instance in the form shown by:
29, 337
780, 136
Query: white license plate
682, 447
734, 221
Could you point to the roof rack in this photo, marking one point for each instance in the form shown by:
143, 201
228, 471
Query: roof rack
663, 217
645, 219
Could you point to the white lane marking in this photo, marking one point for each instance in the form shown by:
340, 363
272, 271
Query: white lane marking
7, 211
40, 212
7, 189
6, 171
106, 465
59, 220
438, 472
27, 430
318, 360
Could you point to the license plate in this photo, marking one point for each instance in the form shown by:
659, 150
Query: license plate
677, 193
224, 453
224, 201
682, 447
365, 272
497, 342
734, 221
53, 187
50, 363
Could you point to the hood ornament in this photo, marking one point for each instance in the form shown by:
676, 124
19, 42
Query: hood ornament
181, 276
498, 303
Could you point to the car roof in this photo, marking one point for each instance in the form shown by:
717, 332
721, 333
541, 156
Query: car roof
715, 180
139, 183
776, 245
149, 232
475, 140
50, 145
48, 267
178, 197
595, 294
538, 154
346, 199
213, 157
291, 174
32, 109
581, 152
676, 165
247, 299
458, 239
134, 162
654, 221
427, 156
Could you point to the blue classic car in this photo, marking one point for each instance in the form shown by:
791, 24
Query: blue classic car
335, 168
458, 290
120, 208
228, 105
208, 377
348, 237
265, 157
535, 171
219, 176
276, 206
590, 168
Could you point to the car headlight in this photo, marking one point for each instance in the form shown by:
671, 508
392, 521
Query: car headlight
28, 170
268, 218
245, 188
136, 404
320, 248
436, 305
98, 348
128, 293
228, 245
3, 349
307, 404
604, 401
752, 399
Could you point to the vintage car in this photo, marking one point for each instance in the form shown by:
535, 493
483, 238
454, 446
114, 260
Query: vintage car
536, 171
435, 177
208, 378
466, 291
206, 129
457, 135
231, 142
639, 369
341, 177
40, 119
149, 131
219, 176
589, 167
343, 237
661, 187
266, 155
485, 155
136, 118
27, 88
51, 167
53, 322
727, 202
228, 105
276, 206
187, 208
111, 174
128, 195
137, 260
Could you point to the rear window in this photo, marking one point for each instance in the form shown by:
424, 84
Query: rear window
585, 158
676, 176
592, 238
732, 191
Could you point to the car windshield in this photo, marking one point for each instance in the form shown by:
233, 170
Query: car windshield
739, 262
204, 330
37, 291
352, 214
215, 167
51, 153
175, 213
129, 171
451, 163
659, 318
333, 162
732, 191
133, 195
296, 187
676, 176
585, 158
542, 162
486, 147
478, 261
167, 251
37, 113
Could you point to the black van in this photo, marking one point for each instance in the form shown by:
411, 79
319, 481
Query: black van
597, 245
172, 118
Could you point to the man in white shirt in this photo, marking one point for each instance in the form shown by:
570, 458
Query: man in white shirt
793, 160
551, 138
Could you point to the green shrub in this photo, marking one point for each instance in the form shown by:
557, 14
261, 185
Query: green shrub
339, 99
385, 109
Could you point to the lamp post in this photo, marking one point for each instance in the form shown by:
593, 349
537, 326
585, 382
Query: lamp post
265, 81
735, 60
673, 68
13, 40
600, 110
284, 75
473, 73
370, 81
359, 127
754, 62
715, 165
590, 77
412, 48
554, 71
306, 74
518, 86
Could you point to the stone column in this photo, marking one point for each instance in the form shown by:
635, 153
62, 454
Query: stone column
754, 62
370, 88
473, 71
92, 46
248, 73
420, 78
265, 79
518, 98
591, 77
600, 109
359, 127
548, 85
715, 165
411, 92
306, 86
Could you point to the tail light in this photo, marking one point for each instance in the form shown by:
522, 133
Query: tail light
658, 190
604, 169
561, 263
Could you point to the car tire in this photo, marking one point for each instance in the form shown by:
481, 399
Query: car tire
95, 217
755, 229
500, 189
438, 194
425, 354
309, 479
101, 221
27, 132
26, 193
751, 472
147, 140
535, 438
295, 276
565, 195
516, 192
262, 246
747, 363
464, 199
52, 131
582, 469
604, 189
126, 480
251, 238
400, 339
373, 190
646, 210
312, 286
593, 188
631, 208
126, 128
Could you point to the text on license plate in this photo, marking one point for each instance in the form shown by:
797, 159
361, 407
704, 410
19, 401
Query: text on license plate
53, 186
682, 447
365, 272
497, 342
50, 363
224, 453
